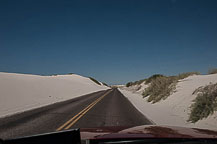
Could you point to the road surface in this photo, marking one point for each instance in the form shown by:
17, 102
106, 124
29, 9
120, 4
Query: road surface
103, 108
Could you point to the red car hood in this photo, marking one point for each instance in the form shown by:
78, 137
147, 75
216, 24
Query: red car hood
145, 131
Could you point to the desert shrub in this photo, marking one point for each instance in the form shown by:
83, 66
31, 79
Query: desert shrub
135, 83
70, 73
153, 77
104, 84
94, 80
129, 84
184, 75
212, 71
140, 81
138, 88
160, 88
54, 75
205, 103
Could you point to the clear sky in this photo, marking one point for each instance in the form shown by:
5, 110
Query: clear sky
115, 41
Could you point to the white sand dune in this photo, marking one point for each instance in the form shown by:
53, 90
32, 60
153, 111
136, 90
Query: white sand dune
176, 108
21, 92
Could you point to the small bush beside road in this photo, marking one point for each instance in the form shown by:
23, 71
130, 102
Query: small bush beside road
205, 103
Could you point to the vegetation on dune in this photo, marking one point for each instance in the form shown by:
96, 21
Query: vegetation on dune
94, 80
187, 74
153, 77
162, 86
135, 83
129, 84
212, 71
104, 84
54, 75
140, 81
205, 103
70, 73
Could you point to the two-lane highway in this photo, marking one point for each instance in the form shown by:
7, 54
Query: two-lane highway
104, 108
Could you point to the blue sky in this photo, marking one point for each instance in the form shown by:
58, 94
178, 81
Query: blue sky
115, 41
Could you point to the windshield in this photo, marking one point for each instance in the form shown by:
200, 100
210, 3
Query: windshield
136, 68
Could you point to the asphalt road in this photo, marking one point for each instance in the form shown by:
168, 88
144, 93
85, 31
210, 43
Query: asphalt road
99, 109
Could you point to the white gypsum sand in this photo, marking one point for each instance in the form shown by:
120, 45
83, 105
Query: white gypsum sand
176, 108
21, 92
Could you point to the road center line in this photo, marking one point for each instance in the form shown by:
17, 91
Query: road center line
74, 119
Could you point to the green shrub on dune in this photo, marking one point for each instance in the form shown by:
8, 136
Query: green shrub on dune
94, 80
205, 103
162, 86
